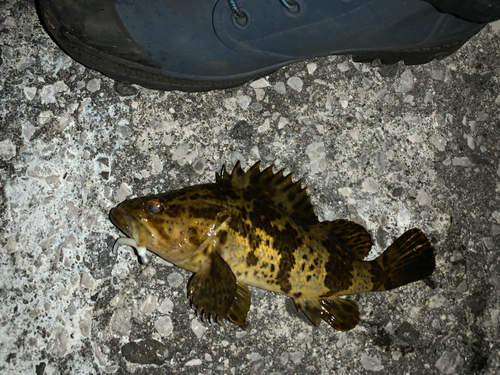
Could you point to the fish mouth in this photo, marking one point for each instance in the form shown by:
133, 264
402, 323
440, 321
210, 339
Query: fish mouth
131, 225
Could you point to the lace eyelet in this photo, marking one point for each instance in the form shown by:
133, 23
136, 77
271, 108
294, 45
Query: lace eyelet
242, 22
296, 9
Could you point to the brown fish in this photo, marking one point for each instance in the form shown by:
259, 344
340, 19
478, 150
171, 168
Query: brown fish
259, 229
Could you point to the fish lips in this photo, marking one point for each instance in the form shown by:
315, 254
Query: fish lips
131, 225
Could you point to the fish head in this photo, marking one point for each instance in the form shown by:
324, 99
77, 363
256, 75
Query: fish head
162, 224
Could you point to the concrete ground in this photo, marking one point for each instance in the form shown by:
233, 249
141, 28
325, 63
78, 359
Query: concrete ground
392, 147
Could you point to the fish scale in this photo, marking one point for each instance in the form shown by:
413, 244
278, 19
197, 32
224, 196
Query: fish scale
258, 228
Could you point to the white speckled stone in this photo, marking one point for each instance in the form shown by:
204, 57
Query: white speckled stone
94, 85
462, 162
149, 304
164, 325
403, 218
343, 67
30, 92
415, 138
317, 154
121, 321
450, 362
311, 68
423, 198
265, 126
438, 142
406, 83
193, 362
167, 306
244, 101
59, 341
123, 192
7, 149
371, 363
296, 357
295, 83
44, 117
261, 83
157, 165
370, 185
198, 328
260, 94
175, 279
283, 121
280, 87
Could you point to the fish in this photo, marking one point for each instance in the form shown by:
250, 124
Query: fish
258, 228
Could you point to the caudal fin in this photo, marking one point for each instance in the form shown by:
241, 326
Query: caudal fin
408, 259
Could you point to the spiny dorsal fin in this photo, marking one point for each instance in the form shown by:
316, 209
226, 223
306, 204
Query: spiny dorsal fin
348, 235
284, 193
223, 175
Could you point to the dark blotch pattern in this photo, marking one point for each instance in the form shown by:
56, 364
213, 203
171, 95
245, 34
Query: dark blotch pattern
339, 268
175, 210
264, 215
378, 276
254, 240
205, 212
252, 260
287, 262
223, 237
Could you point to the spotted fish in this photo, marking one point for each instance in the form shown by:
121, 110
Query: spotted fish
259, 229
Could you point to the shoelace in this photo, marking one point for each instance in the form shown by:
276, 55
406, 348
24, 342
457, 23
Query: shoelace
288, 4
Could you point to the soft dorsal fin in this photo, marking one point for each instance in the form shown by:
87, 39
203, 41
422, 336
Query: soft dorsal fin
349, 235
284, 193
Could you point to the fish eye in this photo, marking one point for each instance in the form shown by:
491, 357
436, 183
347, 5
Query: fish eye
154, 207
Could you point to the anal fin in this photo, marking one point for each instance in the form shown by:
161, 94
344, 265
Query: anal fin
310, 307
212, 289
341, 314
241, 304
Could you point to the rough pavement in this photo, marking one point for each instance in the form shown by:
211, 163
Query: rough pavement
391, 147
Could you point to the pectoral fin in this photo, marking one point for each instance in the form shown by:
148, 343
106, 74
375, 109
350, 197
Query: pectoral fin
212, 290
341, 314
241, 303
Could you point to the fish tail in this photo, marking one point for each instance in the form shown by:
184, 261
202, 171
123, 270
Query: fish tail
408, 259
